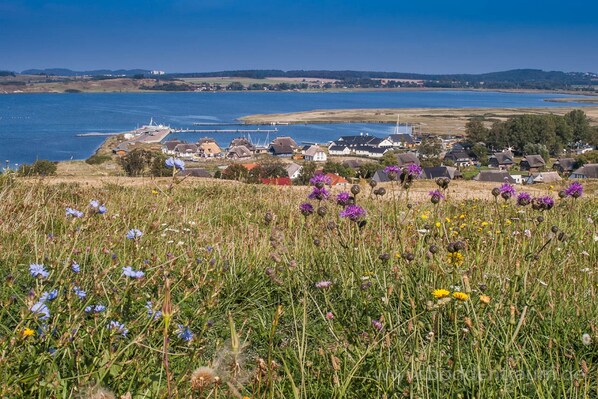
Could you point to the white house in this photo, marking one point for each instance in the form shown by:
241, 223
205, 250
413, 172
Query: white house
293, 170
315, 153
339, 150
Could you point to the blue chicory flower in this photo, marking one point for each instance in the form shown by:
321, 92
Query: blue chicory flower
129, 272
74, 213
37, 269
118, 327
41, 308
134, 234
80, 293
48, 296
184, 333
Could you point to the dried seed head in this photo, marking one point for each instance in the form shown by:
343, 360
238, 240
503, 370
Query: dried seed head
384, 257
373, 183
322, 210
433, 249
202, 377
540, 219
554, 229
99, 393
496, 191
355, 189
268, 217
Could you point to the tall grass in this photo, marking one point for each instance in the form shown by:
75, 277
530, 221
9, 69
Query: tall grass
245, 285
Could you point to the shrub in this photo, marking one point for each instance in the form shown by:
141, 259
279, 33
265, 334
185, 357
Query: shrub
97, 159
41, 167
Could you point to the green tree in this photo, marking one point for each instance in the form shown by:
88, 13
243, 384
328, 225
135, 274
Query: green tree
41, 167
158, 166
389, 158
135, 162
476, 132
537, 149
307, 172
481, 153
338, 168
367, 170
430, 147
235, 171
580, 125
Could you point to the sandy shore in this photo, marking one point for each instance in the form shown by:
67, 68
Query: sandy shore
432, 120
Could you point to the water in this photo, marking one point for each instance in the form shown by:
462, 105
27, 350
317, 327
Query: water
44, 126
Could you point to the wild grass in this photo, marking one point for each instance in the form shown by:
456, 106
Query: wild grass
242, 265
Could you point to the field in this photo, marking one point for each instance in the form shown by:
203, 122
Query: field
429, 120
232, 292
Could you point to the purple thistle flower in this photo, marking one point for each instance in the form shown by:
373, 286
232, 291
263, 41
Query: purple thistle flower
506, 191
38, 270
306, 208
353, 212
413, 170
524, 199
574, 190
548, 202
184, 333
320, 180
117, 327
134, 234
323, 284
392, 171
318, 194
435, 196
343, 198
129, 272
74, 213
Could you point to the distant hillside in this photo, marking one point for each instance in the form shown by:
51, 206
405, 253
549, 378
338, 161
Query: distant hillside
98, 72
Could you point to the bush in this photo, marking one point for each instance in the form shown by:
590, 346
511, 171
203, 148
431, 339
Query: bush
41, 167
97, 159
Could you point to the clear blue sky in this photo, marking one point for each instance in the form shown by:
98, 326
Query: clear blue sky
207, 35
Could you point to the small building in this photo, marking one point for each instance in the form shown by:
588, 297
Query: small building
353, 163
208, 148
459, 157
501, 160
294, 170
239, 152
185, 150
339, 150
441, 171
494, 176
589, 171
169, 146
533, 163
543, 177
374, 152
406, 159
336, 180
315, 153
195, 172
401, 140
283, 147
380, 176
244, 142
564, 165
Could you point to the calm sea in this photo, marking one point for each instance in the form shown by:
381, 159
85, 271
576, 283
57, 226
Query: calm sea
44, 126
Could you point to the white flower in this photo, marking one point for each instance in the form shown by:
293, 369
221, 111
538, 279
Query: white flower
527, 232
586, 339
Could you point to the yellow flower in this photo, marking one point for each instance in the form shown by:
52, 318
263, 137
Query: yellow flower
28, 333
551, 187
437, 224
155, 192
508, 222
424, 216
460, 296
462, 216
455, 258
485, 299
448, 220
440, 293
484, 224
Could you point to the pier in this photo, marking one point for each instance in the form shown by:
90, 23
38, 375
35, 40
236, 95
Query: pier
224, 130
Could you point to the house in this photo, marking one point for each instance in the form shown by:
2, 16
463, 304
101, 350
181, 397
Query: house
169, 146
589, 171
380, 176
282, 147
353, 163
339, 150
501, 160
401, 140
564, 165
441, 171
377, 152
336, 180
195, 172
277, 181
406, 159
208, 148
533, 163
494, 176
185, 150
543, 177
294, 170
315, 153
360, 140
459, 157
239, 152
244, 142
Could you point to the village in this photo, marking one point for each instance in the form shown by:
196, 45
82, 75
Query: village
351, 157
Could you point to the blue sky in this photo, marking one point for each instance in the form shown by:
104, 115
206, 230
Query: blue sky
195, 35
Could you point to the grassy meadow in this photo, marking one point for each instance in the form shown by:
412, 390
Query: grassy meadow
211, 290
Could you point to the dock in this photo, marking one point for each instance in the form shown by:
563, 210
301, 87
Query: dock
224, 130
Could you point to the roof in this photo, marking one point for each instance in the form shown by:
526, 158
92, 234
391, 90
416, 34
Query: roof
376, 150
380, 176
205, 140
336, 179
545, 177
566, 164
292, 168
171, 144
363, 139
590, 171
457, 154
337, 148
240, 151
210, 147
407, 158
313, 150
534, 161
503, 158
241, 141
284, 141
441, 171
496, 176
401, 138
195, 172
280, 149
185, 147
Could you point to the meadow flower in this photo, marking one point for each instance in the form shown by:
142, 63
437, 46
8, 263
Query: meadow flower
353, 212
74, 213
574, 190
524, 199
586, 339
48, 296
95, 308
320, 180
129, 272
461, 296
75, 267
79, 292
506, 191
413, 170
485, 299
440, 293
118, 328
175, 163
134, 234
203, 377
41, 308
37, 269
318, 194
343, 199
323, 284
27, 332
455, 258
547, 202
94, 204
151, 313
377, 324
306, 208
184, 333
329, 316
392, 171
435, 196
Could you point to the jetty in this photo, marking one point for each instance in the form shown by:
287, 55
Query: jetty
224, 130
